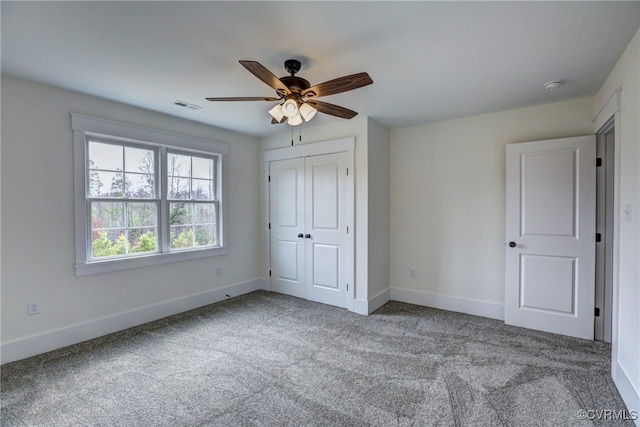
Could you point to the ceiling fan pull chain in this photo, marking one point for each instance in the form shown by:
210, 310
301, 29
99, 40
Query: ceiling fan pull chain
291, 135
300, 134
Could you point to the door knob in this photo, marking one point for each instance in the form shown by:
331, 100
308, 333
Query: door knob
300, 235
308, 236
512, 244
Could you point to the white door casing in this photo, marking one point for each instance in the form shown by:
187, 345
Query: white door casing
550, 222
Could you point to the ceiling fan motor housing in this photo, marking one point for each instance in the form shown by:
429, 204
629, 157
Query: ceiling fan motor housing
292, 66
295, 84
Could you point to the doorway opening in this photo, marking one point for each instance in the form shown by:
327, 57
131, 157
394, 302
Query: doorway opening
605, 149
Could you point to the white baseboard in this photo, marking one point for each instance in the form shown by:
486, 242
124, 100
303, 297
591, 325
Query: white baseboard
443, 302
379, 300
361, 306
629, 393
52, 340
366, 307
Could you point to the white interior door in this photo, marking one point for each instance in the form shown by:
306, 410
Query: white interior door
550, 230
286, 213
308, 211
326, 255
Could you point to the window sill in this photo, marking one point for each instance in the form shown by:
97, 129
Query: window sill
106, 266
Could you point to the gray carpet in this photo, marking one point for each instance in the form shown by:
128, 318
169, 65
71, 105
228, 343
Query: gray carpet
266, 359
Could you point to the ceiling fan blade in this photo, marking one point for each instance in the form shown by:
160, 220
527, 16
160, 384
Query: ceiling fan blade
266, 76
245, 98
332, 109
275, 122
339, 85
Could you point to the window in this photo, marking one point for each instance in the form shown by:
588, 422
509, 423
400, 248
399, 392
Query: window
144, 197
121, 199
191, 192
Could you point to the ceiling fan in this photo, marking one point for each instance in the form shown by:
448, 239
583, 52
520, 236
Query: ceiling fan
298, 96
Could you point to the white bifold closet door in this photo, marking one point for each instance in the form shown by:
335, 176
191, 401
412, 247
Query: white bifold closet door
308, 227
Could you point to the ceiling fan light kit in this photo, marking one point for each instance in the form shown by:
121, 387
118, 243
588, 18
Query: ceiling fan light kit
295, 120
290, 108
277, 113
299, 96
307, 112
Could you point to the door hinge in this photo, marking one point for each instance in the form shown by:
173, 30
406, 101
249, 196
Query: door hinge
598, 162
598, 237
269, 273
347, 229
347, 171
269, 178
269, 226
347, 287
596, 312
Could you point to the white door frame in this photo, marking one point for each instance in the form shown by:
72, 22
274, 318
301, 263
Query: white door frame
604, 224
315, 149
611, 109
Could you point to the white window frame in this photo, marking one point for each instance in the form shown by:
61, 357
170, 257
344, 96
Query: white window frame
84, 127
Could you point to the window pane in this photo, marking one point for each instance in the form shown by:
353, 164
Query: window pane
204, 213
140, 186
142, 214
109, 242
96, 184
202, 189
180, 213
143, 240
192, 224
178, 165
107, 215
202, 168
106, 184
205, 235
105, 156
138, 160
116, 189
178, 188
181, 237
113, 233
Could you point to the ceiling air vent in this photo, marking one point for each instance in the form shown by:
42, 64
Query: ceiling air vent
186, 105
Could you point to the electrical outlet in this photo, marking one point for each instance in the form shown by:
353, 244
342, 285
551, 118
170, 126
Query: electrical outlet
33, 308
412, 273
218, 271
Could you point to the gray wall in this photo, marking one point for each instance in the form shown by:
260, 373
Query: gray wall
38, 226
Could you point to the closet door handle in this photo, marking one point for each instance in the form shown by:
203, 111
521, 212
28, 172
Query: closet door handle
307, 236
300, 235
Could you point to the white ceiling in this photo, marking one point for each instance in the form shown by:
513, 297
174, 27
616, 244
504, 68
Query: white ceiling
429, 61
